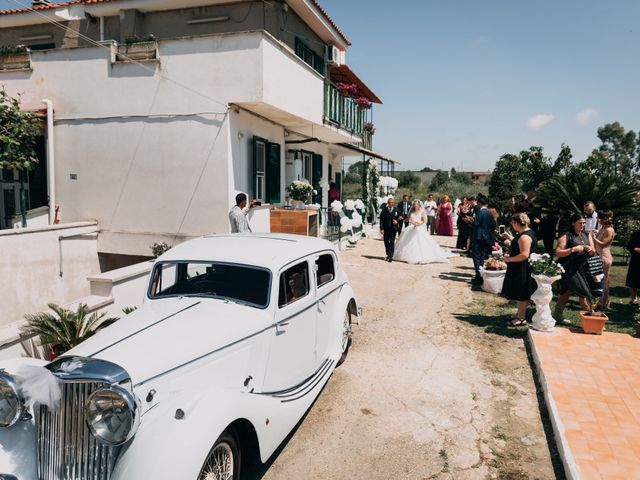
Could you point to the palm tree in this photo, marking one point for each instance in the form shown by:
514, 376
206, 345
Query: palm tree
66, 329
607, 191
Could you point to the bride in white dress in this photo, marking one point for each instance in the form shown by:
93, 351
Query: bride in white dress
415, 244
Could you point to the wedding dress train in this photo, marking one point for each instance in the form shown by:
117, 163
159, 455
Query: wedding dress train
415, 245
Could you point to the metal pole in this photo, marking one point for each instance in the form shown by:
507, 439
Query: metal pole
23, 200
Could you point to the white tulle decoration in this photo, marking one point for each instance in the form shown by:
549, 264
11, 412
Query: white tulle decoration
344, 229
356, 219
336, 206
359, 204
345, 222
39, 385
349, 205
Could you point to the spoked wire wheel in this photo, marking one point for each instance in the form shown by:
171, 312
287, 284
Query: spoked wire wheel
222, 462
346, 336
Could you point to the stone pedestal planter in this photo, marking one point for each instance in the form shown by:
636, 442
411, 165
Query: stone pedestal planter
542, 320
593, 323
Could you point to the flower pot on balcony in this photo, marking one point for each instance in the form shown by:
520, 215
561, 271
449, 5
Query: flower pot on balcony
15, 61
593, 323
140, 51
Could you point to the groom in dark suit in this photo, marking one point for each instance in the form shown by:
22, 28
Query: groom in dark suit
389, 217
483, 237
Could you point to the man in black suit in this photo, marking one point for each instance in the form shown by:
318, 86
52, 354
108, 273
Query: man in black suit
389, 219
403, 209
483, 237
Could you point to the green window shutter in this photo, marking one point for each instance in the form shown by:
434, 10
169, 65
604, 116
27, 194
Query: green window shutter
299, 48
260, 146
273, 194
316, 176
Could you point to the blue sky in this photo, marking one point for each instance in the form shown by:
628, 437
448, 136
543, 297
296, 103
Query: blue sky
461, 79
464, 81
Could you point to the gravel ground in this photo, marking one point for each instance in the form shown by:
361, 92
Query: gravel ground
424, 394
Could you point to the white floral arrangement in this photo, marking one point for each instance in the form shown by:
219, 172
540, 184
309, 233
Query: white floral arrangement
301, 190
545, 265
349, 205
345, 224
336, 206
356, 220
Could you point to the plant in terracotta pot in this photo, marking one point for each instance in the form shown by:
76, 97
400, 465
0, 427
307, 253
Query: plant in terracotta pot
593, 321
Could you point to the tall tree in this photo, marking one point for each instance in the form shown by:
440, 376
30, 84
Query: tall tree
619, 152
504, 183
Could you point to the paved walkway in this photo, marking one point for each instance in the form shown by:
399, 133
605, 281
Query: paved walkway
592, 388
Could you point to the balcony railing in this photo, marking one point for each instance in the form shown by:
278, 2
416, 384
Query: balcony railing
342, 111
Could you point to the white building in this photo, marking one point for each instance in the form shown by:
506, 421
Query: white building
232, 96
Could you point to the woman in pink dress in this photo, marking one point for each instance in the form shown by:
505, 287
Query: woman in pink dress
445, 220
603, 240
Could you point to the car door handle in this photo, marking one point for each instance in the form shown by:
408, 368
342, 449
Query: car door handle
280, 330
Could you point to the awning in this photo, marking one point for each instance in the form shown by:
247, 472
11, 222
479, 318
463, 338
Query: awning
368, 153
346, 75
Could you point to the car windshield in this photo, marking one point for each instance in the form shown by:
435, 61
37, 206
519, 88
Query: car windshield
238, 283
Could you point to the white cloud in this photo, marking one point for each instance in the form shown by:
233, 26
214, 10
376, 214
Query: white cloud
539, 121
586, 116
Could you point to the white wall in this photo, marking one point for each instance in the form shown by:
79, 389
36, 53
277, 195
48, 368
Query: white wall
30, 267
151, 147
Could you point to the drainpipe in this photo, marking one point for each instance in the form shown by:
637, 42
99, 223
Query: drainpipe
102, 29
51, 171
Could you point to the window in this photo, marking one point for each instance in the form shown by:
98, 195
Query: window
310, 57
294, 284
260, 162
266, 171
237, 283
325, 270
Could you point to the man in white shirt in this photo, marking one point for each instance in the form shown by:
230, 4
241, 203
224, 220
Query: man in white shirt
590, 217
238, 215
431, 207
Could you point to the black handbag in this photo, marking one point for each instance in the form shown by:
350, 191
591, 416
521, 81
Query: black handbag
594, 266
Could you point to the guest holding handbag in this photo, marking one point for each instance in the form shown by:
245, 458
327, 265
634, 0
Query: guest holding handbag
574, 249
602, 241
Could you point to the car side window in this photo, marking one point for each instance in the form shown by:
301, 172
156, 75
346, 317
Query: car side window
294, 284
325, 269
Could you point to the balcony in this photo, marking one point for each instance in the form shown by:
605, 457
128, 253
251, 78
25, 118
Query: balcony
342, 111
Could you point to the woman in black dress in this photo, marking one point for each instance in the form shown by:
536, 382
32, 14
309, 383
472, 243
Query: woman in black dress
633, 274
574, 249
518, 283
464, 213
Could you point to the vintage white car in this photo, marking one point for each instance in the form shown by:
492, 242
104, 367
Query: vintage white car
235, 339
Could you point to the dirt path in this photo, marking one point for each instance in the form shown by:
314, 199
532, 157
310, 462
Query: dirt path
424, 394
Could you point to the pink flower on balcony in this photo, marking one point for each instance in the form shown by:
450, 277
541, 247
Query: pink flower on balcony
363, 102
347, 89
369, 127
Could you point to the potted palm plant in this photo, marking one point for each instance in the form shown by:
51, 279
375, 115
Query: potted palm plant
593, 321
66, 329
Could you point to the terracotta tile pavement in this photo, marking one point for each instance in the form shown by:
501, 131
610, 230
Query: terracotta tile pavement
594, 383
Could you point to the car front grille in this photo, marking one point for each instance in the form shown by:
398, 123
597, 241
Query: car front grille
66, 448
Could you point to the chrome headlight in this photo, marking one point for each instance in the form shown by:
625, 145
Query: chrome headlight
11, 403
112, 415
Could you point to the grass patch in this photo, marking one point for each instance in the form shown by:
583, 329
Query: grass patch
445, 458
492, 312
